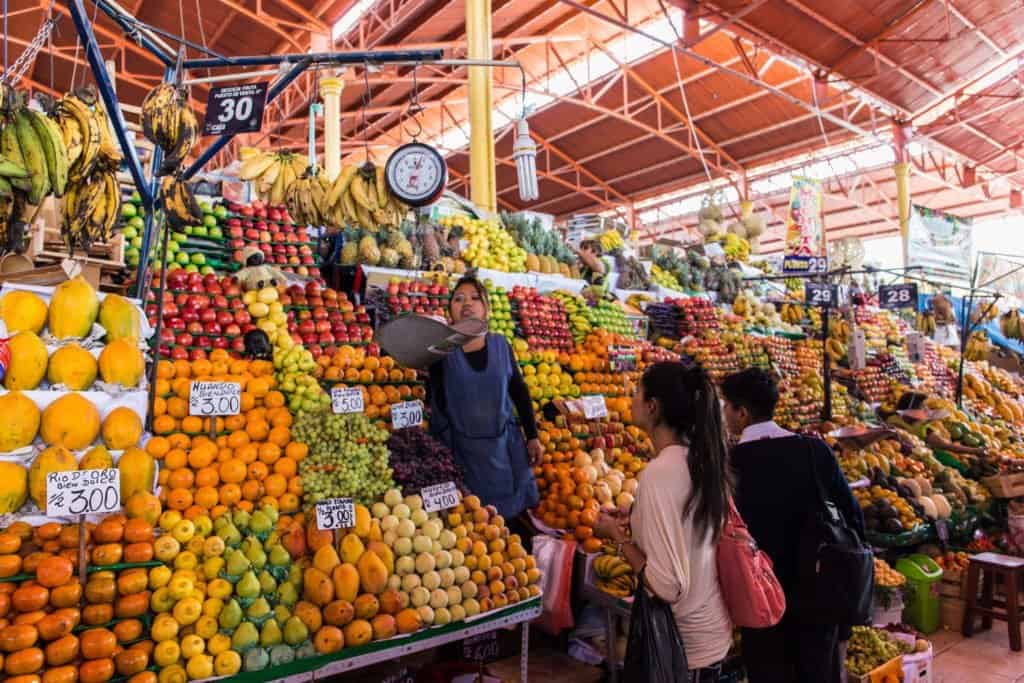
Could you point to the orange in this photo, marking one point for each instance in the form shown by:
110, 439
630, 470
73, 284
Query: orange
273, 399
289, 502
275, 485
179, 441
279, 436
162, 476
281, 419
366, 376
165, 369
225, 454
286, 466
159, 406
247, 453
258, 471
271, 501
232, 471
182, 369
269, 453
218, 425
246, 505
395, 376
251, 490
380, 375
202, 455
164, 424
181, 387
257, 430
162, 387
192, 424
158, 446
201, 368
218, 510
207, 476
248, 401
351, 375
179, 499
256, 414
176, 459
230, 494
219, 356
296, 451
258, 387
371, 363
295, 486
233, 423
181, 479
238, 439
207, 497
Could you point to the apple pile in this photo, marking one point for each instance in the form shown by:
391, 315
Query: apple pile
695, 315
414, 296
500, 320
542, 320
200, 313
271, 229
321, 318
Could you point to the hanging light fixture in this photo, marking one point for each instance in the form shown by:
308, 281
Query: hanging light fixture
524, 151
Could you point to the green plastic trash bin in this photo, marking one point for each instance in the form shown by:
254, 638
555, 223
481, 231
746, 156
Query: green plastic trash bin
923, 576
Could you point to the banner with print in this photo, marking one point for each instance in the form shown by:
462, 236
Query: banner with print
940, 245
805, 229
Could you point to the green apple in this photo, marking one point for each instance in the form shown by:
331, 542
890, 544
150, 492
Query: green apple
205, 206
179, 236
199, 231
137, 222
136, 198
191, 268
136, 242
206, 270
216, 233
129, 211
198, 259
173, 247
182, 258
209, 221
129, 232
220, 211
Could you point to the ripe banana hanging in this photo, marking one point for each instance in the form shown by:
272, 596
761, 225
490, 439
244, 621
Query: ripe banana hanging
169, 123
178, 202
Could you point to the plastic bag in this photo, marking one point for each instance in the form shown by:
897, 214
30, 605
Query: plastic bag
655, 652
554, 558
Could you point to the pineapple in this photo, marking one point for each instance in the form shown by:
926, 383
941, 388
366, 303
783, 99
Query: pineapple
369, 253
431, 249
350, 249
389, 257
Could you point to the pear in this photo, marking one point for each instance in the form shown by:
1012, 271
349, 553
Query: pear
248, 586
282, 654
268, 586
258, 610
271, 634
271, 512
237, 563
254, 551
287, 594
245, 636
229, 534
295, 574
282, 614
256, 659
260, 523
241, 519
230, 615
273, 539
279, 557
221, 522
307, 650
295, 631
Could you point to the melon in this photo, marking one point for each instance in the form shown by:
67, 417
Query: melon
53, 459
70, 421
13, 486
19, 421
72, 366
73, 309
121, 428
22, 310
121, 362
28, 362
120, 318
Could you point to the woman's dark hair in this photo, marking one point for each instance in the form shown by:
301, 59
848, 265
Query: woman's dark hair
754, 389
911, 400
475, 284
689, 406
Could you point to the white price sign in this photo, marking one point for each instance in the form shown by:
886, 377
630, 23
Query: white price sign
407, 414
594, 407
347, 400
83, 492
858, 349
207, 399
335, 513
440, 496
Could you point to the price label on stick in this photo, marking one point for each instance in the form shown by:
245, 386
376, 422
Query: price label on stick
594, 407
407, 414
207, 399
898, 296
83, 492
347, 400
820, 294
440, 496
235, 109
335, 513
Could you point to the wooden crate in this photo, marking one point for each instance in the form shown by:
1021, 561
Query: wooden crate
952, 584
47, 246
1005, 485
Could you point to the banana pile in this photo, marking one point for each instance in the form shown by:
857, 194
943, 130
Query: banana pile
611, 240
179, 204
359, 197
925, 323
169, 123
978, 346
271, 172
614, 574
792, 314
305, 198
1009, 324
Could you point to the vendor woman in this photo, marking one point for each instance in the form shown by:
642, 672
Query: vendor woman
473, 391
911, 415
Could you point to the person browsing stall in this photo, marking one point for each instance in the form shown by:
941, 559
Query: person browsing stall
475, 395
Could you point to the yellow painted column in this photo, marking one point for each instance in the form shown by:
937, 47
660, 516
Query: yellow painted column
481, 136
903, 203
330, 93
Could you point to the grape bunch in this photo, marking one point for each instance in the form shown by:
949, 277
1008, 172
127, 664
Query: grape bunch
347, 457
419, 460
869, 648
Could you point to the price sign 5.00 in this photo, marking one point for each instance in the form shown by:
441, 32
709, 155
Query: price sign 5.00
347, 400
83, 492
407, 414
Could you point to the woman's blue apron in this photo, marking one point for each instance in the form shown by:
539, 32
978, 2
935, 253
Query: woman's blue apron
479, 425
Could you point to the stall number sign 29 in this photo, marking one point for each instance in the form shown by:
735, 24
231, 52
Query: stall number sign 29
83, 492
335, 513
440, 496
407, 414
898, 296
820, 294
347, 400
235, 109
207, 399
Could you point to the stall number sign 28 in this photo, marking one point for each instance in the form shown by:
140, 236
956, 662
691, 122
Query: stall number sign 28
347, 400
235, 109
207, 399
335, 513
83, 492
898, 296
820, 294
407, 414
440, 496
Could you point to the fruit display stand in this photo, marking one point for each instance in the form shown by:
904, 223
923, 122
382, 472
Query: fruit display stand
616, 610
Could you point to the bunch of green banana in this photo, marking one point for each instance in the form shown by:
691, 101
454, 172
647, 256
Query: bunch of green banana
306, 197
178, 202
169, 123
12, 177
33, 142
359, 196
272, 172
92, 209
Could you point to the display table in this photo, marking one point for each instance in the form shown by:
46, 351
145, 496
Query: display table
614, 609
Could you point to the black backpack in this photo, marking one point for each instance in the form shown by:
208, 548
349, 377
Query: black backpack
835, 566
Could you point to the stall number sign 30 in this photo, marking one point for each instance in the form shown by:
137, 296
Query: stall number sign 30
440, 496
898, 296
820, 294
347, 400
335, 513
407, 414
207, 399
235, 109
594, 407
83, 492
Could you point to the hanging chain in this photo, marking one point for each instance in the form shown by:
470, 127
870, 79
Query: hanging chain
12, 75
415, 108
366, 105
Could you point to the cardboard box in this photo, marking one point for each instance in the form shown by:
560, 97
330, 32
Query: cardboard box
894, 667
951, 613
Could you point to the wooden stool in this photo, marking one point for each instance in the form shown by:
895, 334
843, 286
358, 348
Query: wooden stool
982, 573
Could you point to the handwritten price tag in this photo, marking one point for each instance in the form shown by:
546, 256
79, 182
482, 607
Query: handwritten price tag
407, 414
481, 648
83, 492
440, 496
207, 399
335, 513
347, 400
594, 407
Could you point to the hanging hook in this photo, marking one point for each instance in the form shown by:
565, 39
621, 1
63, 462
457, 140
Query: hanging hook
415, 108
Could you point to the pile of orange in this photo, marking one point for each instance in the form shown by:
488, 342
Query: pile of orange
251, 460
381, 380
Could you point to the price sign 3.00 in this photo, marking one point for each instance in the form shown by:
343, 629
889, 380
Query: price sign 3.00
207, 399
335, 513
83, 492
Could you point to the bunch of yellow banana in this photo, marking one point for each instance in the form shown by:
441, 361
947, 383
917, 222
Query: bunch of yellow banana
305, 198
169, 123
272, 172
91, 209
792, 314
978, 346
926, 323
839, 330
32, 142
614, 574
359, 196
835, 349
610, 240
178, 202
86, 132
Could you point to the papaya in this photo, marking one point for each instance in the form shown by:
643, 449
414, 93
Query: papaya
98, 458
137, 469
19, 421
120, 318
72, 366
13, 486
73, 309
28, 361
121, 362
70, 421
23, 310
121, 428
53, 459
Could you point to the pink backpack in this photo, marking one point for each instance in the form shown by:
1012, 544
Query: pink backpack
752, 594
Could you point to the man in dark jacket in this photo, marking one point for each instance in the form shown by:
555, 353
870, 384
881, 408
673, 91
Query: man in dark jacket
775, 494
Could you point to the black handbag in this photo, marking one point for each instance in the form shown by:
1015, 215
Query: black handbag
654, 650
835, 566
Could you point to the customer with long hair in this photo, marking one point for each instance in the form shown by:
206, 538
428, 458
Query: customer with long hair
681, 506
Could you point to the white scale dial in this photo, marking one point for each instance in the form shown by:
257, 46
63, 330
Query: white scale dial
416, 174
